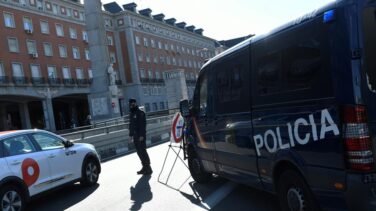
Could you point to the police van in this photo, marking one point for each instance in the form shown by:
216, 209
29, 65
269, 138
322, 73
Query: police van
293, 112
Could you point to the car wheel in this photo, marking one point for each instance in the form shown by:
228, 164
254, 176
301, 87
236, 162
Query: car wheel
12, 198
196, 168
294, 194
90, 172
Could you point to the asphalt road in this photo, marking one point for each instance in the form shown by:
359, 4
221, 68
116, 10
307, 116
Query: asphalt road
120, 188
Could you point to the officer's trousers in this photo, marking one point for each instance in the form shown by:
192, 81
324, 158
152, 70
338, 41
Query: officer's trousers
141, 151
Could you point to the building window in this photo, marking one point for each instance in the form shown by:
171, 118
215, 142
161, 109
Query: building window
17, 70
59, 30
9, 20
82, 16
155, 107
162, 106
110, 40
40, 5
142, 73
90, 74
147, 58
173, 61
140, 57
73, 33
23, 2
47, 49
160, 45
161, 59
44, 27
76, 52
69, 12
28, 25
166, 46
112, 58
13, 44
51, 72
2, 72
79, 73
150, 74
35, 71
147, 107
168, 60
66, 73
146, 43
85, 37
152, 43
87, 54
31, 46
172, 47
155, 59
157, 75
137, 40
54, 9
63, 51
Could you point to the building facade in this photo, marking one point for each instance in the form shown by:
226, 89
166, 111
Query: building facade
63, 60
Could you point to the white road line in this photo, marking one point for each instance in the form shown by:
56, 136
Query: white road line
217, 196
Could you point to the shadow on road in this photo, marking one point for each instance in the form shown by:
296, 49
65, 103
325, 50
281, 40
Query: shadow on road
141, 193
62, 199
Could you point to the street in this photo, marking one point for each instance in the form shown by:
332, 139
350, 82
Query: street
120, 188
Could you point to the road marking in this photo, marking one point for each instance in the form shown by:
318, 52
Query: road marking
217, 196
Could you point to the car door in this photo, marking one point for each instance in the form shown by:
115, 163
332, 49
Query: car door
62, 160
27, 163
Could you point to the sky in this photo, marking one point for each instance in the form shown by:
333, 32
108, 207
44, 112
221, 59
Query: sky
222, 20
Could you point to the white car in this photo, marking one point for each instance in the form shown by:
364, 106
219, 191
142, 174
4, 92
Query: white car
34, 161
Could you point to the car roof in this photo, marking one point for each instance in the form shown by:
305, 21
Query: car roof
10, 133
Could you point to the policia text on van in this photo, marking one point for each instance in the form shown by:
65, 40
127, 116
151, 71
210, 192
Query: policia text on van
293, 112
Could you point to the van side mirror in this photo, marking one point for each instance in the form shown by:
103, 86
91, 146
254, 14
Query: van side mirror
184, 108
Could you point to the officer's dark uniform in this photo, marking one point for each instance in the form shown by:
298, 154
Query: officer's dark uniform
137, 129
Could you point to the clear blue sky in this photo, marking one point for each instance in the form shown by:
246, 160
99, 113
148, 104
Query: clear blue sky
222, 19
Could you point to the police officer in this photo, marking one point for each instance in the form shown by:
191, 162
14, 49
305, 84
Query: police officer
137, 130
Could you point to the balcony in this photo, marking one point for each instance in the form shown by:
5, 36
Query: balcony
38, 81
69, 81
54, 81
82, 82
4, 80
151, 81
20, 80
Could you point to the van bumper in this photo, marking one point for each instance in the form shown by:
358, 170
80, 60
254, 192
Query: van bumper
359, 194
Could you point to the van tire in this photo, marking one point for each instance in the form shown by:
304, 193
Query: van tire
14, 193
294, 194
90, 172
196, 168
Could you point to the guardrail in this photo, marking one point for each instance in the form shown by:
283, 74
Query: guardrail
114, 140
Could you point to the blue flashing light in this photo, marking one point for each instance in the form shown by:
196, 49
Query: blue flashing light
329, 16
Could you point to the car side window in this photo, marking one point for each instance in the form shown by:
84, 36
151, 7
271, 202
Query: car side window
17, 145
48, 142
203, 96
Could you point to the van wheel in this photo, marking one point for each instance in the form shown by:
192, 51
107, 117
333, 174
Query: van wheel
196, 168
12, 198
90, 172
294, 194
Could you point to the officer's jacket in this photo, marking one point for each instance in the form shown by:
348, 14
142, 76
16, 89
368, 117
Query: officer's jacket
137, 123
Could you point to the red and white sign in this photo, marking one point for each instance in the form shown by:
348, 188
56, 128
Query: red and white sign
30, 171
177, 128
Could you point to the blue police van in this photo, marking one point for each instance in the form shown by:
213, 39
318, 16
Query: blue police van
293, 112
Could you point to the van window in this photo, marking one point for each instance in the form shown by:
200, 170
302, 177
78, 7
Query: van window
293, 64
369, 24
200, 98
232, 86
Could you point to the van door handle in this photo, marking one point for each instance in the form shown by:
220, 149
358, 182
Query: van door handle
16, 162
51, 156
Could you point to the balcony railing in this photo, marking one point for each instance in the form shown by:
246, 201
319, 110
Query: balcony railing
151, 81
69, 81
20, 80
37, 80
4, 80
54, 81
82, 82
